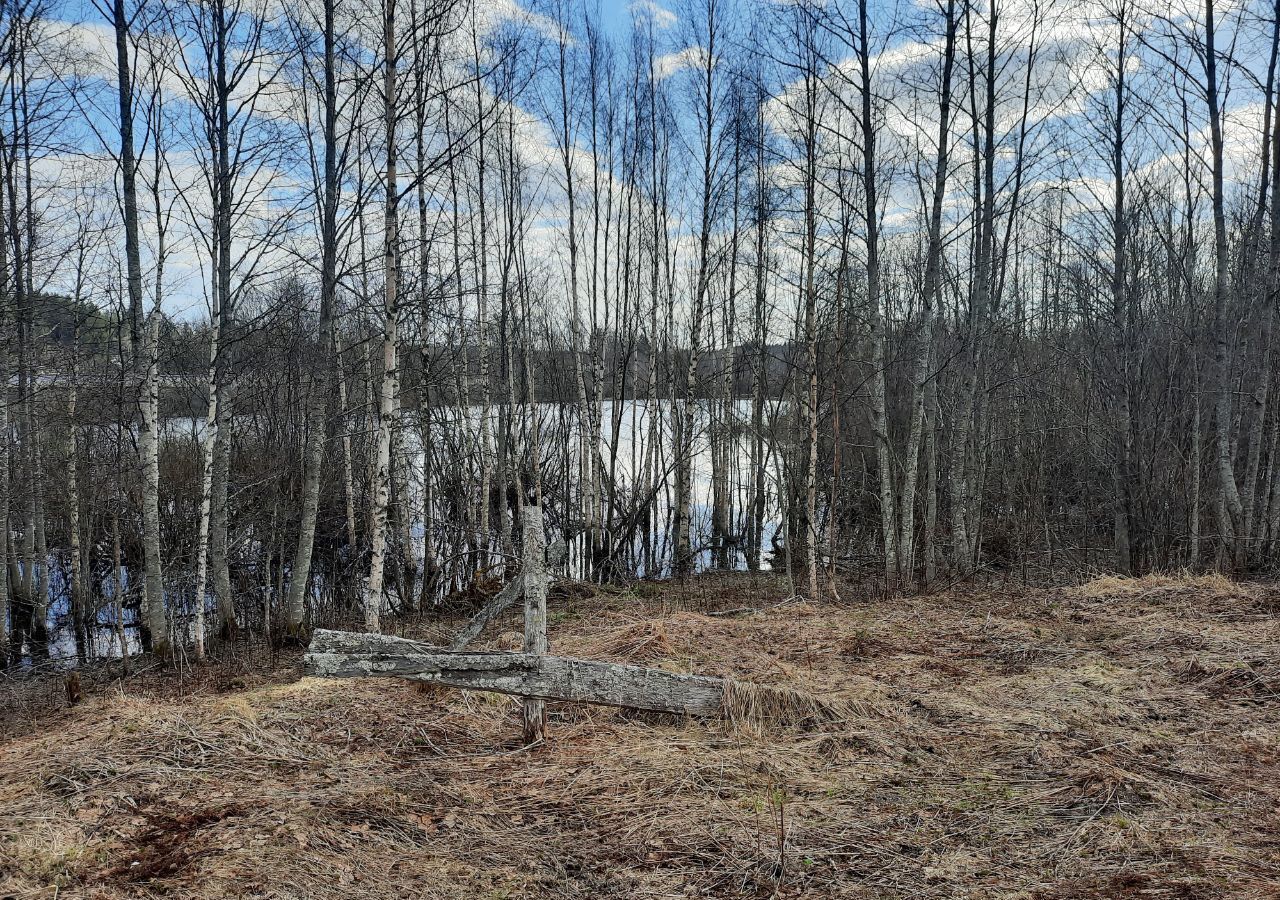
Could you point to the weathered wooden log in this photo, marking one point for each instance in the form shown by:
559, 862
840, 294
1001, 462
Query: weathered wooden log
503, 600
497, 605
340, 654
535, 614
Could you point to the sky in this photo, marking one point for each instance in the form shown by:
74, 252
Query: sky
1064, 113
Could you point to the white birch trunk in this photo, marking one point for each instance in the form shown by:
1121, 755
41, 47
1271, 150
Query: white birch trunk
41, 558
211, 422
4, 476
153, 580
219, 565
73, 514
388, 403
348, 459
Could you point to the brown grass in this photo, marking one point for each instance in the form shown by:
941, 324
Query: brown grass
1114, 740
1214, 585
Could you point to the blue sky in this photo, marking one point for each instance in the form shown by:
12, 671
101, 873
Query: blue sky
1060, 126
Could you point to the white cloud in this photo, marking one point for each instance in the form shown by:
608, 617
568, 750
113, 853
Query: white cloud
660, 16
496, 12
669, 64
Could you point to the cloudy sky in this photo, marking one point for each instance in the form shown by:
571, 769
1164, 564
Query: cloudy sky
1072, 45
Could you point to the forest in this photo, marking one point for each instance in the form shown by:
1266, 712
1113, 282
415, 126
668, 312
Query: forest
300, 305
874, 399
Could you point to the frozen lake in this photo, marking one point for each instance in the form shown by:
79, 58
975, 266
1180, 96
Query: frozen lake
629, 430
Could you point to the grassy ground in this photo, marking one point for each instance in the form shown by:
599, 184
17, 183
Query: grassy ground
1119, 739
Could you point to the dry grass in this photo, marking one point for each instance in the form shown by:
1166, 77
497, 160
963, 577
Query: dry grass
1116, 740
1213, 585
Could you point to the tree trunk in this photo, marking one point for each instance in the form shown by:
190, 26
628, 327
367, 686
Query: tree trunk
317, 424
388, 405
128, 171
921, 384
153, 580
78, 605
1228, 503
219, 563
211, 426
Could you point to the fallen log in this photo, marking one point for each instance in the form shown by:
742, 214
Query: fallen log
344, 654
497, 605
340, 654
503, 600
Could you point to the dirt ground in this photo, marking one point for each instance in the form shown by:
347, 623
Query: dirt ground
1117, 739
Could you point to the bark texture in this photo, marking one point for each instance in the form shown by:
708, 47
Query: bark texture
338, 654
